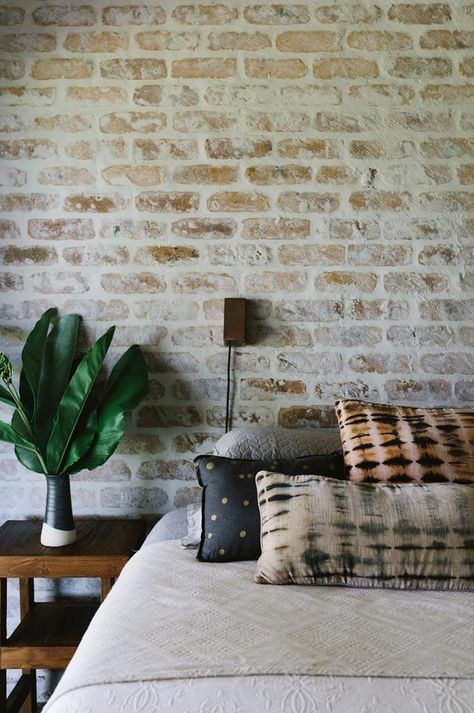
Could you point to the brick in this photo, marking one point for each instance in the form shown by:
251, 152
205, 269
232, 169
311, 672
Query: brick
466, 173
307, 202
448, 93
350, 123
316, 41
379, 200
247, 41
205, 174
96, 203
380, 363
196, 337
340, 229
355, 336
466, 335
420, 67
420, 14
308, 148
381, 40
11, 15
186, 496
195, 282
87, 150
204, 68
65, 15
307, 417
166, 470
276, 14
377, 309
61, 229
135, 443
287, 174
165, 254
275, 228
57, 283
165, 416
171, 149
69, 123
9, 282
275, 68
132, 229
138, 14
310, 95
101, 255
448, 363
170, 311
27, 149
311, 255
269, 336
378, 254
341, 68
21, 96
448, 201
159, 40
424, 391
169, 202
378, 94
237, 95
195, 442
237, 201
65, 176
415, 283
257, 283
407, 336
204, 228
241, 254
309, 310
95, 41
345, 390
132, 283
466, 67
191, 121
96, 95
238, 148
464, 390
135, 498
12, 68
204, 388
447, 39
125, 175
35, 255
97, 310
28, 42
27, 201
174, 95
271, 389
318, 364
125, 122
348, 12
12, 176
447, 310
440, 255
337, 175
447, 148
342, 281
145, 68
218, 14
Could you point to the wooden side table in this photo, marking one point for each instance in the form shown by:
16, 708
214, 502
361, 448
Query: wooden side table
49, 632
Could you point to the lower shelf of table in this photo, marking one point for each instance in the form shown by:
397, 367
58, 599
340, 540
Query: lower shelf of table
49, 635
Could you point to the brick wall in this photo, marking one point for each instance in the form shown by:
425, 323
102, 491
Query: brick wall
314, 157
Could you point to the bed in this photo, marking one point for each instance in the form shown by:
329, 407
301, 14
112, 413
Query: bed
184, 636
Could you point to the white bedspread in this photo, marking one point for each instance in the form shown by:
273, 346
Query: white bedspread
171, 617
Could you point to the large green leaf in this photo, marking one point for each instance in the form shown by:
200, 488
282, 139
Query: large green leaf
26, 457
59, 351
125, 388
74, 400
5, 397
32, 358
80, 443
9, 435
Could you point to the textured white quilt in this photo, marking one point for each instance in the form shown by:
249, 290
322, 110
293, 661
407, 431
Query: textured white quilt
172, 617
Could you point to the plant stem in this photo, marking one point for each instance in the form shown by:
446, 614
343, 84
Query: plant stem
19, 407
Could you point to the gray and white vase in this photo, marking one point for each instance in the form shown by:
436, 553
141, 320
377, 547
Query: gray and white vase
58, 526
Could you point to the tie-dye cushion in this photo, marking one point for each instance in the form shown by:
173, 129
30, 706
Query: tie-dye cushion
318, 530
402, 444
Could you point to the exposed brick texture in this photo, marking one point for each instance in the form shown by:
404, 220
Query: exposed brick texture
316, 158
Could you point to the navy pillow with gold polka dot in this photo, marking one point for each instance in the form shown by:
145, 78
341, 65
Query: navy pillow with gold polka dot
230, 515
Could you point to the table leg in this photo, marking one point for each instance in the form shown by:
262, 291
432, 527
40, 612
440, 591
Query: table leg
3, 639
106, 584
27, 600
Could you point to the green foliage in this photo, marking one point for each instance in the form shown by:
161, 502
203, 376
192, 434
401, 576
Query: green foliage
64, 419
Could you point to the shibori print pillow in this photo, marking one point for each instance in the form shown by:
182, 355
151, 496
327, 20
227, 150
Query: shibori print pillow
403, 444
230, 517
325, 531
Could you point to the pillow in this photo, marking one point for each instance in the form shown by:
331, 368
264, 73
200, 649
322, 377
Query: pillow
277, 443
193, 536
230, 518
401, 444
325, 531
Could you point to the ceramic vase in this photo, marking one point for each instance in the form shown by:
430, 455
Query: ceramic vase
58, 526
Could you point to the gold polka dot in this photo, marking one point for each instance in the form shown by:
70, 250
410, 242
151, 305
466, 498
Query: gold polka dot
210, 465
221, 552
224, 501
249, 475
241, 476
213, 518
209, 535
246, 503
243, 533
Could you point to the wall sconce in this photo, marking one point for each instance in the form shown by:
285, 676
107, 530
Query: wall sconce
234, 336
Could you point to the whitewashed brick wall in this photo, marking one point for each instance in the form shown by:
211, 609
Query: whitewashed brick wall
314, 157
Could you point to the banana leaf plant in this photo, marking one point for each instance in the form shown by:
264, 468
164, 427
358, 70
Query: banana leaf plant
65, 419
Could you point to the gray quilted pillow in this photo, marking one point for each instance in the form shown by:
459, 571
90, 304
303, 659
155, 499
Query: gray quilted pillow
276, 444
